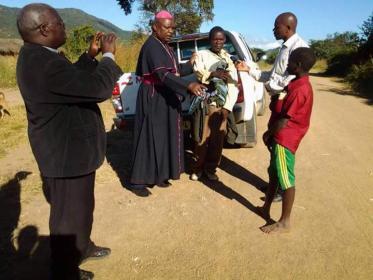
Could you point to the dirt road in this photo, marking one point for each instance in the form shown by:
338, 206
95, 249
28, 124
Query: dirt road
199, 230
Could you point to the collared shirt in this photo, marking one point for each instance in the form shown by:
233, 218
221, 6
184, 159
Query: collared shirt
297, 108
51, 49
277, 79
207, 62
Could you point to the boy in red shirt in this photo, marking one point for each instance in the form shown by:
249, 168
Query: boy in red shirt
289, 122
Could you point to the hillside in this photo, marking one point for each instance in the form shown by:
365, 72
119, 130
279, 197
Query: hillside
71, 17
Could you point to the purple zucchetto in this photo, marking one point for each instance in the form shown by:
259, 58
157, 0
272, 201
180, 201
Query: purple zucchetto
163, 15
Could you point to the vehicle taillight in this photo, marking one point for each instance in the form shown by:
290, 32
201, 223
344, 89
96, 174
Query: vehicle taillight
116, 90
241, 97
117, 104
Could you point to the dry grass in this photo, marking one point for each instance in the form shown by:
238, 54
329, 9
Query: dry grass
264, 66
127, 54
8, 71
320, 66
126, 57
10, 46
13, 129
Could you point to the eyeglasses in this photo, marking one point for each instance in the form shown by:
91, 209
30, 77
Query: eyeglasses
59, 23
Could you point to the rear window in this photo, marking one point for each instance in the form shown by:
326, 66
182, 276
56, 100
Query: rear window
204, 44
187, 48
229, 48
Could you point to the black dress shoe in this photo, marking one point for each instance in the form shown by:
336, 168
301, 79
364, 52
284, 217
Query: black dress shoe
165, 184
96, 253
85, 275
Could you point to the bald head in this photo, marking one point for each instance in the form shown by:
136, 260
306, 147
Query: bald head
289, 19
285, 26
40, 23
30, 18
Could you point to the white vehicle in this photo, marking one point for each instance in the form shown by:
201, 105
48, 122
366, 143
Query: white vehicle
251, 97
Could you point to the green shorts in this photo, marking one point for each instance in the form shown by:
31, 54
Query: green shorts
281, 167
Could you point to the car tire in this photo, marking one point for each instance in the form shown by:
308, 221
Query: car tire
248, 145
247, 132
262, 103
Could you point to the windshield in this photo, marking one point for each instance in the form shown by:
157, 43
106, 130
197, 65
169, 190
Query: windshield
188, 47
204, 44
247, 47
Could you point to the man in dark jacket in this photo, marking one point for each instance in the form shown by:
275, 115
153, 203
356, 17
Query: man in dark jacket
65, 129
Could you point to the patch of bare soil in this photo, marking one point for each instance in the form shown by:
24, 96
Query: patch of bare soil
203, 230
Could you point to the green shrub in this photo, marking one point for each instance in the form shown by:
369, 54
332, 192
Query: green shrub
340, 64
78, 41
361, 79
339, 50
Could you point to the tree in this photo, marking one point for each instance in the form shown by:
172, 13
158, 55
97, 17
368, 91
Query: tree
78, 41
367, 29
366, 47
126, 5
189, 14
334, 44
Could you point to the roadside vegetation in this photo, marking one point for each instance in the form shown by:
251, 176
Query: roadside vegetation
8, 71
126, 53
349, 55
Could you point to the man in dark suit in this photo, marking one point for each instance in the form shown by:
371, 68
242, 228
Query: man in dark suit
65, 129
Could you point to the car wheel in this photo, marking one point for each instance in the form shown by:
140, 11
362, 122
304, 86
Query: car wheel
247, 132
262, 103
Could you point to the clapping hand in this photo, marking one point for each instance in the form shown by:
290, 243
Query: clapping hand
108, 43
94, 47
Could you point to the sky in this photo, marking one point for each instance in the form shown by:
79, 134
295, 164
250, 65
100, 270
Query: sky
252, 18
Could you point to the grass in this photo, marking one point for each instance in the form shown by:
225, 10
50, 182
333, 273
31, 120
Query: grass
264, 66
320, 66
126, 57
13, 129
127, 53
8, 71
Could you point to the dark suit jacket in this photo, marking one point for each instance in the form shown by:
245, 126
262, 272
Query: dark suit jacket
65, 125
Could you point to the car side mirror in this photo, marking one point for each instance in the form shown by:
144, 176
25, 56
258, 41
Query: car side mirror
260, 56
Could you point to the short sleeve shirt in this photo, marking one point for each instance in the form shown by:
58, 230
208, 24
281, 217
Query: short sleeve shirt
297, 107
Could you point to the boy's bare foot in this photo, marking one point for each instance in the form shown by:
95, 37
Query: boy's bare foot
279, 227
264, 213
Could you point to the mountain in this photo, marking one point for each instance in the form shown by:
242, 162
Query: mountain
71, 17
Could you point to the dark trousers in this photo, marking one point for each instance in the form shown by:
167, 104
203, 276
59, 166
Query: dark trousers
208, 152
70, 222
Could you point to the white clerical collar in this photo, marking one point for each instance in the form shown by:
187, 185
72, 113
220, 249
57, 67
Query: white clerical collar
291, 40
51, 49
